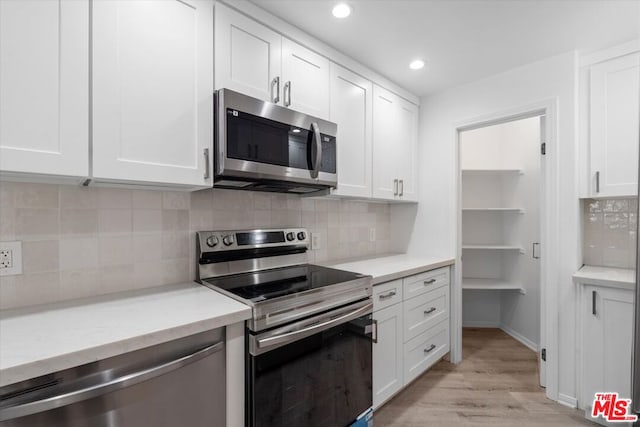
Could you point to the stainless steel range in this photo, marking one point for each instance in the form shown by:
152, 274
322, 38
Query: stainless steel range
308, 356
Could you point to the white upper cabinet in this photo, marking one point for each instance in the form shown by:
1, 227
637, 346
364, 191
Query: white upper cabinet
44, 87
256, 61
153, 91
407, 127
395, 146
305, 75
248, 56
352, 109
385, 155
614, 112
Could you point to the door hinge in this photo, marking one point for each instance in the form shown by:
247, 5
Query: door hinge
543, 354
543, 148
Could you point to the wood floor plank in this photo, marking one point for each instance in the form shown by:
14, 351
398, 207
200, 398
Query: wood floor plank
495, 385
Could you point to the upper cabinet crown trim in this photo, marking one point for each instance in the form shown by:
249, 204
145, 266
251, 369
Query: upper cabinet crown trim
607, 54
287, 30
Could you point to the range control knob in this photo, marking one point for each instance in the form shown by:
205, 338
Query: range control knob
302, 235
212, 241
228, 240
291, 236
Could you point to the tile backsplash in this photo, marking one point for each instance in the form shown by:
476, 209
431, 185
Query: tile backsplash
610, 232
80, 242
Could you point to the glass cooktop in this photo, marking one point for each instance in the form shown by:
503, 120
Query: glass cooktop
274, 283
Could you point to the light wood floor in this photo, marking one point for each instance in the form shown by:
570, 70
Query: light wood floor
495, 385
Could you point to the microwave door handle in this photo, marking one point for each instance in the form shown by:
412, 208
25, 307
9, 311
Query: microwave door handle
317, 146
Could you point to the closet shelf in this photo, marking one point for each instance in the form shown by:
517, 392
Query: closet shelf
472, 283
495, 247
494, 171
508, 210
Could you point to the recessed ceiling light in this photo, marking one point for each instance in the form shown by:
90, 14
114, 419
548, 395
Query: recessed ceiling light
416, 64
341, 10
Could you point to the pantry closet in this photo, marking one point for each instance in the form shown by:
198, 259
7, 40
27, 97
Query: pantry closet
501, 194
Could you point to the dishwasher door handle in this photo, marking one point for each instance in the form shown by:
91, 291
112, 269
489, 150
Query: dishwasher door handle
100, 389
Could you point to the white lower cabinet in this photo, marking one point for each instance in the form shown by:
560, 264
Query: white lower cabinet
412, 330
387, 354
421, 352
607, 337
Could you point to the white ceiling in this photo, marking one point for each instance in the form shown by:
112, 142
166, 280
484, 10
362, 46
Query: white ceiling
460, 40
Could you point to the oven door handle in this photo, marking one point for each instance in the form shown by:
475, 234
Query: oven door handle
308, 331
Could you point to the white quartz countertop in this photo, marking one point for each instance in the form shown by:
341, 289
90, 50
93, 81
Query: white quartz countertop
623, 278
392, 267
49, 338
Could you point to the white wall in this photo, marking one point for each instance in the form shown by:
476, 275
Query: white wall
434, 228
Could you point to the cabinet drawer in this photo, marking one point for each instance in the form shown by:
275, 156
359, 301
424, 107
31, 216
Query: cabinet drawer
425, 282
387, 294
425, 350
425, 311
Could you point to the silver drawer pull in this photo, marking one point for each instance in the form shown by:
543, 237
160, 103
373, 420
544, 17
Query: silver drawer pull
431, 310
429, 282
430, 349
387, 295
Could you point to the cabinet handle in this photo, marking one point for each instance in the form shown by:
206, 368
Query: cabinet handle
401, 187
597, 181
395, 187
275, 83
594, 298
430, 349
207, 165
429, 282
374, 336
387, 295
287, 94
533, 251
431, 310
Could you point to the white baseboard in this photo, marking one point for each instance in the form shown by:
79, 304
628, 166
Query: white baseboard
521, 338
480, 324
569, 401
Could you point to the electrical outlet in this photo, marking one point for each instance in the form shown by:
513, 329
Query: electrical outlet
6, 258
315, 241
372, 234
10, 258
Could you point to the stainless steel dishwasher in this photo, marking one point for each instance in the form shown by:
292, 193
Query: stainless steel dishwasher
179, 383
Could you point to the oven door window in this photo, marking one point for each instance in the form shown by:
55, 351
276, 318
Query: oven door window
256, 139
322, 380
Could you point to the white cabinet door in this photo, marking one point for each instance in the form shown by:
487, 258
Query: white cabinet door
44, 87
387, 354
305, 76
395, 147
248, 55
385, 137
607, 324
153, 91
407, 127
614, 126
352, 110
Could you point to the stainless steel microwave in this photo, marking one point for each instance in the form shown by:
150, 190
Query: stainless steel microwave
265, 147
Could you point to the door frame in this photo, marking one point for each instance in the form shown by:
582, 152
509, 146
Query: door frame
549, 234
